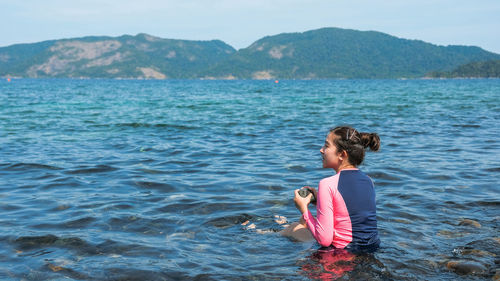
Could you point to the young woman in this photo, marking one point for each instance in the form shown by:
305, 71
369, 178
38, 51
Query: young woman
346, 211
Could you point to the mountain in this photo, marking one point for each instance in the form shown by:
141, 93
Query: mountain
315, 54
482, 69
140, 56
343, 53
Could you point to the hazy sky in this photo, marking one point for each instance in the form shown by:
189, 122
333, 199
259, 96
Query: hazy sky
241, 22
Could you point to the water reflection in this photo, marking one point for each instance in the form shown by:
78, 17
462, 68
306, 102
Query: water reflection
328, 264
333, 264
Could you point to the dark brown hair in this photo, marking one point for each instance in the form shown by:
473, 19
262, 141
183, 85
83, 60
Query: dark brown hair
354, 143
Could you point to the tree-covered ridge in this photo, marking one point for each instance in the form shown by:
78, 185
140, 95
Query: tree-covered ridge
483, 69
343, 53
315, 54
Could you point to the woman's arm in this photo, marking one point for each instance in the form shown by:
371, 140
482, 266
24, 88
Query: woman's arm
322, 227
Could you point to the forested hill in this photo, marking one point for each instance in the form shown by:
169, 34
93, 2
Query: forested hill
316, 54
341, 53
483, 69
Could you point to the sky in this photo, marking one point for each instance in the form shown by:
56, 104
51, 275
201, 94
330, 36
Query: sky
239, 23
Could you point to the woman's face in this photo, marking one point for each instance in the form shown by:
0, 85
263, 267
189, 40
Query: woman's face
331, 157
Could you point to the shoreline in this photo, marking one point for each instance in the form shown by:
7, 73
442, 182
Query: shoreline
241, 79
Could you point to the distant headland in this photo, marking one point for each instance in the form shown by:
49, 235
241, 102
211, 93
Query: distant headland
326, 53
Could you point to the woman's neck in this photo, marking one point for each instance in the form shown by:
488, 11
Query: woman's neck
346, 166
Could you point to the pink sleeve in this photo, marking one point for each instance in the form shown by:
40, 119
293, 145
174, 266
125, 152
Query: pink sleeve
322, 227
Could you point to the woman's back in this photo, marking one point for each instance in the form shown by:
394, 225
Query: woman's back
346, 210
358, 195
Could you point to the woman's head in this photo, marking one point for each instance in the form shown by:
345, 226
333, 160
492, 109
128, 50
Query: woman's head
345, 145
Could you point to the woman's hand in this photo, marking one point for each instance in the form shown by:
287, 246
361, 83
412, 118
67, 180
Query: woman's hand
314, 191
301, 202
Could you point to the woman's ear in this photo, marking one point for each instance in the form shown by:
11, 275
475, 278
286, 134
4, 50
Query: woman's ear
343, 155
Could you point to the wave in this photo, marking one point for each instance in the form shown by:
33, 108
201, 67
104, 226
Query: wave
165, 187
27, 166
146, 125
93, 170
71, 224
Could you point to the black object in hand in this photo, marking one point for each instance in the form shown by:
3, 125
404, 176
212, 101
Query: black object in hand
305, 191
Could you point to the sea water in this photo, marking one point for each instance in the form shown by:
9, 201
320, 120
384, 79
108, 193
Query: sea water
160, 180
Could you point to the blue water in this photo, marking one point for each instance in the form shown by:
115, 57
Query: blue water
152, 180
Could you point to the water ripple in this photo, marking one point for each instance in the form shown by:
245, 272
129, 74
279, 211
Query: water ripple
161, 180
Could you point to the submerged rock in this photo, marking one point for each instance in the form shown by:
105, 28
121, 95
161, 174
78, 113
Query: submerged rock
496, 277
488, 245
476, 252
466, 267
451, 234
468, 222
28, 242
228, 221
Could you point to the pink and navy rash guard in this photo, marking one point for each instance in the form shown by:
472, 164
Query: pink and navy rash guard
346, 212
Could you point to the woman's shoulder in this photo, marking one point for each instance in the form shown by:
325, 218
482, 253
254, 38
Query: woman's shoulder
330, 180
364, 177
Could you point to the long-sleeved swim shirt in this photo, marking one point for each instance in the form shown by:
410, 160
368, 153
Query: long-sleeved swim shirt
345, 210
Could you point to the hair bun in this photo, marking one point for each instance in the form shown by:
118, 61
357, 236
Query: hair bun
371, 140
